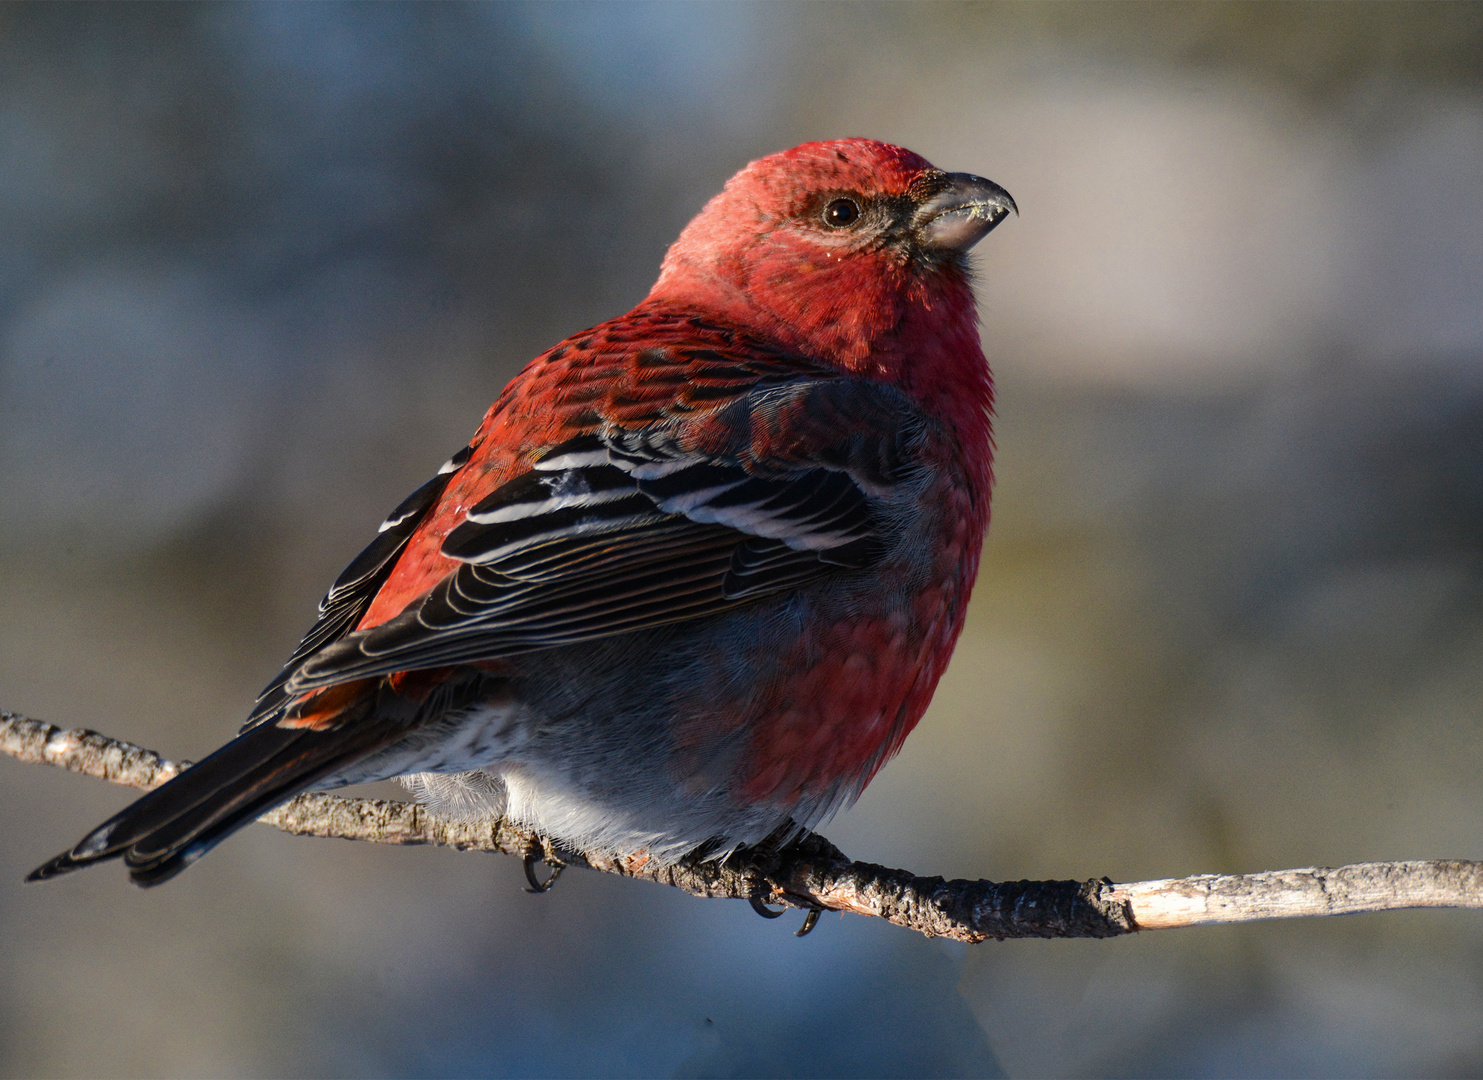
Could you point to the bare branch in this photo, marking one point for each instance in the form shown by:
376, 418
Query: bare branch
1291, 894
812, 873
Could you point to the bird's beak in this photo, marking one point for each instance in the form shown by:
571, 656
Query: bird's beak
962, 214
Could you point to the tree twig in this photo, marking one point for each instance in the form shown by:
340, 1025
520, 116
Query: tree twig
812, 873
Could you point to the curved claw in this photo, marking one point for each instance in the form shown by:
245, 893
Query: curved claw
536, 884
762, 909
810, 921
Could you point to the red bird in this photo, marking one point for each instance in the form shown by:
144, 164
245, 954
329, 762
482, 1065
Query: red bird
696, 575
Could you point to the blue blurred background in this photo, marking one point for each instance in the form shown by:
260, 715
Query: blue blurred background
264, 266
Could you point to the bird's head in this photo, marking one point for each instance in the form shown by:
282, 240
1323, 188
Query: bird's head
837, 249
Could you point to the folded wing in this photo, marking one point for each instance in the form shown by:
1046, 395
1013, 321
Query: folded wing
619, 530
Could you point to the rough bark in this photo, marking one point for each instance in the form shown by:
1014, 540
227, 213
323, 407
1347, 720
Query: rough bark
813, 874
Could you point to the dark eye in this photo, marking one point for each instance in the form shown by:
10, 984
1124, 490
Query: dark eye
841, 213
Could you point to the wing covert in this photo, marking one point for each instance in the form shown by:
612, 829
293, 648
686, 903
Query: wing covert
622, 529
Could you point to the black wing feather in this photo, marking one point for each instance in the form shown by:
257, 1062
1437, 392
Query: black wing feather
355, 588
626, 529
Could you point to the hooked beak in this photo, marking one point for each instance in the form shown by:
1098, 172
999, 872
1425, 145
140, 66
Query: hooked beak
961, 214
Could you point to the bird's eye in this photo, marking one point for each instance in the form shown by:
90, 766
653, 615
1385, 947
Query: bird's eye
841, 213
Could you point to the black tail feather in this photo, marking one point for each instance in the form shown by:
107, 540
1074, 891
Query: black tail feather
165, 831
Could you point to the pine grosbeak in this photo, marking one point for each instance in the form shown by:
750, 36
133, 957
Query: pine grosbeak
697, 573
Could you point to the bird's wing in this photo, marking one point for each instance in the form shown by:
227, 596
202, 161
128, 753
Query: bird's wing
351, 594
621, 529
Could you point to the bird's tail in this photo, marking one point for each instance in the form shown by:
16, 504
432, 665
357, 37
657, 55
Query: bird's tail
162, 833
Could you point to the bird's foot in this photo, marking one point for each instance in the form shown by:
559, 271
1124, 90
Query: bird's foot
536, 884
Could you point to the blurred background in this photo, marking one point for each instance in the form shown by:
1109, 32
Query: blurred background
263, 267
